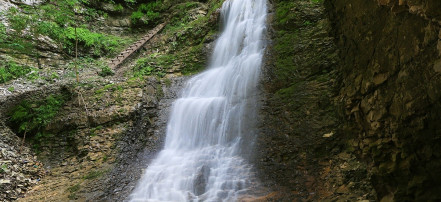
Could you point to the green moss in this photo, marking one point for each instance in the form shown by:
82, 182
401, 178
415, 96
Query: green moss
285, 57
159, 91
284, 13
3, 168
93, 174
74, 188
119, 7
189, 33
167, 82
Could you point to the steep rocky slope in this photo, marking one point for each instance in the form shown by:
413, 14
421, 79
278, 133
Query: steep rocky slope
302, 150
390, 64
19, 169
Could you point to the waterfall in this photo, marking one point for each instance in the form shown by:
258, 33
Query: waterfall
209, 125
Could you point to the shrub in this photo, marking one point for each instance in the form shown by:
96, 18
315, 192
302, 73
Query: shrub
98, 43
146, 13
106, 71
33, 117
153, 65
56, 21
12, 71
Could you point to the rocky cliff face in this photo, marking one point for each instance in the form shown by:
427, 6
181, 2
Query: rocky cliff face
301, 147
390, 64
357, 78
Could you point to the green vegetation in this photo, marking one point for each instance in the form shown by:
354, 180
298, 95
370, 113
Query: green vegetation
33, 117
284, 12
167, 82
105, 158
119, 8
188, 32
153, 64
93, 174
106, 71
3, 168
57, 20
58, 25
317, 1
12, 70
30, 118
146, 13
93, 131
159, 91
108, 87
98, 44
72, 190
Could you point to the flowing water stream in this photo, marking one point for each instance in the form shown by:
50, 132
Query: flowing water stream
211, 124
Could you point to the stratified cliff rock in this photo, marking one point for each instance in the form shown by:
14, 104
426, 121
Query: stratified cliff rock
390, 64
302, 153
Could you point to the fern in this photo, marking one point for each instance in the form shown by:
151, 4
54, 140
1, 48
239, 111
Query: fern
34, 117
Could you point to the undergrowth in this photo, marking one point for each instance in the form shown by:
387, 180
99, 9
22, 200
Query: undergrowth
188, 30
11, 70
31, 118
147, 13
57, 20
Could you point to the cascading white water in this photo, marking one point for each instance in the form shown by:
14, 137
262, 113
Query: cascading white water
201, 159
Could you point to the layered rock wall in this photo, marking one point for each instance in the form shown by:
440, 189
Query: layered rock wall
390, 64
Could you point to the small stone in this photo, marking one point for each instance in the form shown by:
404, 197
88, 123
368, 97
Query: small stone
328, 135
4, 181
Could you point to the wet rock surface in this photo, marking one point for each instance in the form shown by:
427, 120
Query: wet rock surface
302, 152
390, 54
142, 142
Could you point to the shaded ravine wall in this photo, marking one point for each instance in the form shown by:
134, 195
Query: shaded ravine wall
390, 64
301, 150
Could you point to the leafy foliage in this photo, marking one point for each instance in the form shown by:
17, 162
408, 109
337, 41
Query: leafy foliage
3, 34
33, 117
12, 70
98, 43
146, 13
152, 65
55, 19
3, 168
106, 71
